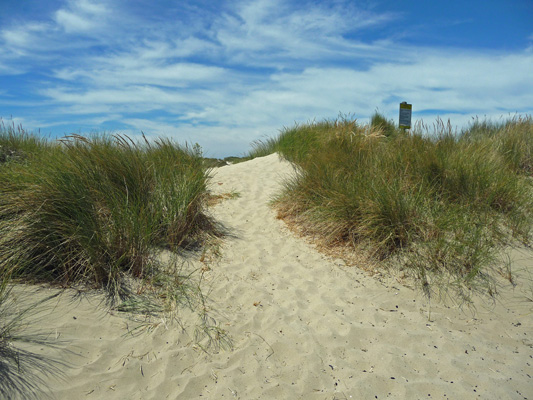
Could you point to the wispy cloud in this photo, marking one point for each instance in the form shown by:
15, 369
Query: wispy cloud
120, 73
80, 16
231, 72
279, 34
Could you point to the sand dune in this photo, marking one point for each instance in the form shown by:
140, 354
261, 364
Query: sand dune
303, 326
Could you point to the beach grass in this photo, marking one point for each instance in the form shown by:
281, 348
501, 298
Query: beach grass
380, 124
512, 139
16, 144
89, 210
97, 212
100, 212
23, 369
432, 202
263, 147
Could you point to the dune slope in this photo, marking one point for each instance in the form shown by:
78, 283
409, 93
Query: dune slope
303, 326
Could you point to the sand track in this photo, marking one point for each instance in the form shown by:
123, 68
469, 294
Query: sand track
303, 326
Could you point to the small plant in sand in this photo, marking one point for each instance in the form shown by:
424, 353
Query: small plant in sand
172, 290
215, 199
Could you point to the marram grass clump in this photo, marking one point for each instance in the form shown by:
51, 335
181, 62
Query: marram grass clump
100, 212
437, 205
93, 210
512, 139
16, 144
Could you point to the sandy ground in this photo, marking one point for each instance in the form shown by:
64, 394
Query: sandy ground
303, 326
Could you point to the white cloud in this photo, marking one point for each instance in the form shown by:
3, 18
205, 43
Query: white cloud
246, 70
146, 96
8, 70
93, 8
435, 82
81, 16
72, 22
478, 85
16, 37
20, 40
173, 48
60, 38
173, 75
271, 32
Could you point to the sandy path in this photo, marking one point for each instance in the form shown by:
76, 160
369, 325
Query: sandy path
303, 327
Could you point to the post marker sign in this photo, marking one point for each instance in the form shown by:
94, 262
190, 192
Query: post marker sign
405, 115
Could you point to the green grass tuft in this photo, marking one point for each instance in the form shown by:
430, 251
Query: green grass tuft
93, 210
440, 205
512, 139
23, 371
262, 148
381, 124
96, 212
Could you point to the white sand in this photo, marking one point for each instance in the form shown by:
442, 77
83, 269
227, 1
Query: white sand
303, 326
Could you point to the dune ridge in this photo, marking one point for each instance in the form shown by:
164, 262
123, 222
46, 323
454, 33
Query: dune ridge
303, 325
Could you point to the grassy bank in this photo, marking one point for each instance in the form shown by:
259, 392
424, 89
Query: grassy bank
91, 210
437, 204
97, 213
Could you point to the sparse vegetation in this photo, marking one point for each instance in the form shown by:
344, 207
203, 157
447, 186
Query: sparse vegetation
22, 370
218, 198
218, 162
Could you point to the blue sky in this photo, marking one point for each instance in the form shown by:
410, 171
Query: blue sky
225, 73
